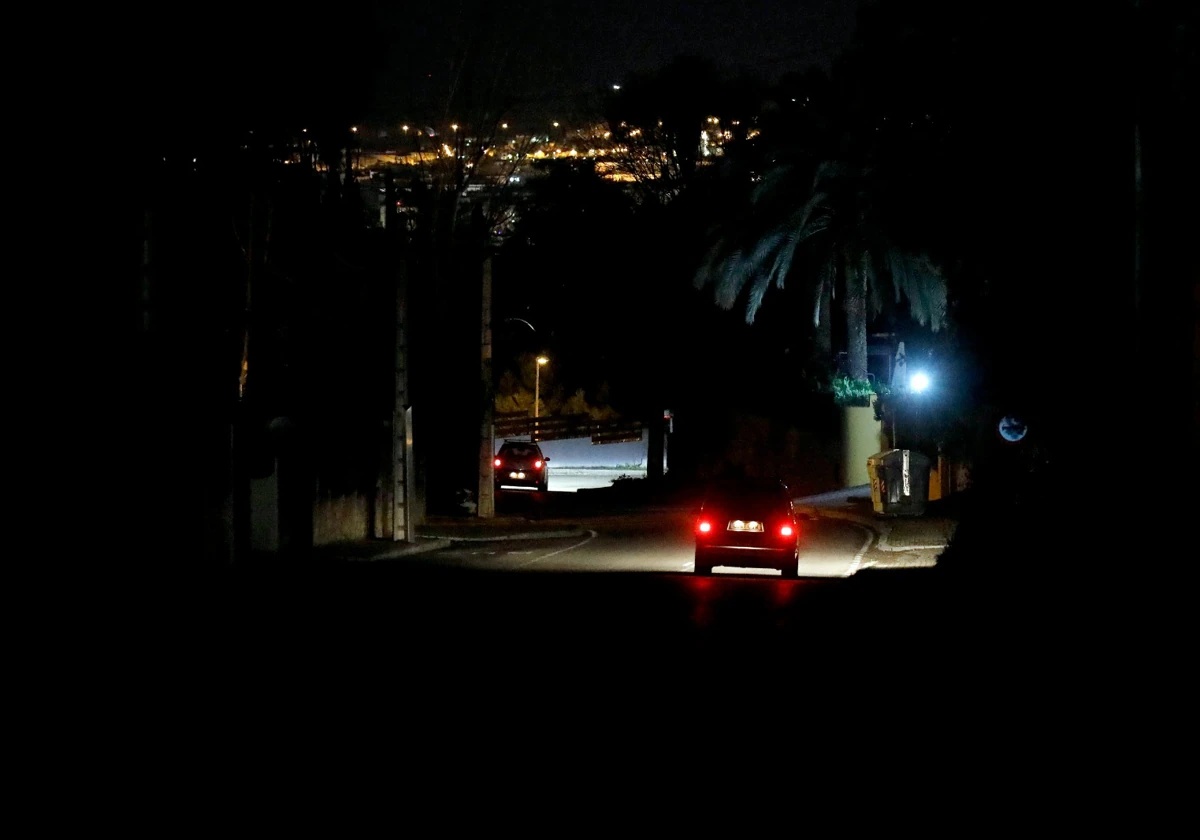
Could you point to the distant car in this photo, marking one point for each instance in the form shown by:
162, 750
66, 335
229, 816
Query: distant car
521, 465
748, 523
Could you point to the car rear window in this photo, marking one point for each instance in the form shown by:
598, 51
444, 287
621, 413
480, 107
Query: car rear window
745, 490
520, 452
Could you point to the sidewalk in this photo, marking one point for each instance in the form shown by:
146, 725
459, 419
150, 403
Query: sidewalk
901, 542
439, 531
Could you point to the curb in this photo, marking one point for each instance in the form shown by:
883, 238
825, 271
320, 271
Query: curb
433, 542
528, 535
881, 529
396, 553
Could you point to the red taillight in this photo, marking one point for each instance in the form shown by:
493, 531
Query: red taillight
704, 527
537, 465
786, 531
497, 462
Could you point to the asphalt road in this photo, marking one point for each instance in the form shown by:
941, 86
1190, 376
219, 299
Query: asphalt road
647, 542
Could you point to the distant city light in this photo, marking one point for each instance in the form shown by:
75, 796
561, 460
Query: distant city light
616, 87
454, 126
354, 128
556, 125
504, 125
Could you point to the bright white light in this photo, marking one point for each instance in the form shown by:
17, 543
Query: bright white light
919, 382
616, 87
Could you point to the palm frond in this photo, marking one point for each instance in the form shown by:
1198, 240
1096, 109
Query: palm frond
731, 279
819, 295
760, 280
705, 272
897, 271
921, 282
772, 182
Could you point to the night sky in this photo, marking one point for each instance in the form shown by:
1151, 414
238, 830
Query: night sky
386, 61
560, 50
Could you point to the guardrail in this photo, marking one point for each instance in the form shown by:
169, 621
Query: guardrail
567, 426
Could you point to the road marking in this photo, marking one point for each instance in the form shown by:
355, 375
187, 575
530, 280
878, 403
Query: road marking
591, 536
866, 544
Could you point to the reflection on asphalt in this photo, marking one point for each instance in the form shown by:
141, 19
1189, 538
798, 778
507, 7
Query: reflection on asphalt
648, 542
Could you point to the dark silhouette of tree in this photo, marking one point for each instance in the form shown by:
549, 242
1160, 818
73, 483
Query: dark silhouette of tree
655, 123
571, 268
850, 194
839, 218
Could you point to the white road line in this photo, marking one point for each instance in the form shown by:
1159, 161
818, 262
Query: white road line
866, 544
591, 536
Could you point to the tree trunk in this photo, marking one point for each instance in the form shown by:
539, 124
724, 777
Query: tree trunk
486, 501
822, 319
856, 320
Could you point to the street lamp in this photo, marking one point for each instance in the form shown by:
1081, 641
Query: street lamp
537, 387
537, 394
919, 382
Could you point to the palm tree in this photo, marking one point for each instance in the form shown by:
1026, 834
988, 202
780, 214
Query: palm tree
844, 222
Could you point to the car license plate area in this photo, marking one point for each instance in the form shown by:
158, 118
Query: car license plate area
745, 526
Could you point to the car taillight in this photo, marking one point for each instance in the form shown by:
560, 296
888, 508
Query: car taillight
786, 531
537, 465
497, 462
704, 527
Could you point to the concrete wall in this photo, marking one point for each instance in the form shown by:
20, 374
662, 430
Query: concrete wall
862, 437
337, 518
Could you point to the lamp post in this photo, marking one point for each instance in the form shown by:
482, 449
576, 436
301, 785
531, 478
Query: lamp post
537, 387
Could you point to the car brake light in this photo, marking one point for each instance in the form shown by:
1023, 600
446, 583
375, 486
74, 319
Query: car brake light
537, 465
497, 462
786, 531
704, 527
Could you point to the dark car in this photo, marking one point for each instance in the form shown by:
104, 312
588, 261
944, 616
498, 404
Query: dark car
748, 523
521, 465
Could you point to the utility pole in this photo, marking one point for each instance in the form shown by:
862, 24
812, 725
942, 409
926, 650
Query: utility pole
656, 431
239, 444
402, 442
486, 507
